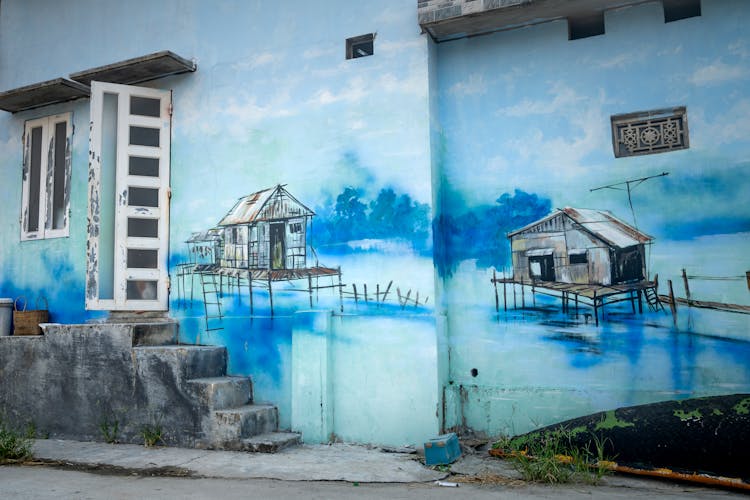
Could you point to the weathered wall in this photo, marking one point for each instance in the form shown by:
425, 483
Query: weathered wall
274, 101
465, 141
525, 123
75, 378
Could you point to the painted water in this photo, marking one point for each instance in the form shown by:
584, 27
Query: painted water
509, 371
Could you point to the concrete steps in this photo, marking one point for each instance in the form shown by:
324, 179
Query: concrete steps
222, 392
184, 361
223, 405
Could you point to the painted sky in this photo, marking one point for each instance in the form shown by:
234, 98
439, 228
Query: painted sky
545, 115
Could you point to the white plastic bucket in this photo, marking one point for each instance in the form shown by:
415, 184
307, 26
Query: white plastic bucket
6, 312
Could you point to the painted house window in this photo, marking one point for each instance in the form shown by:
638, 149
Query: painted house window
46, 177
578, 257
295, 227
360, 46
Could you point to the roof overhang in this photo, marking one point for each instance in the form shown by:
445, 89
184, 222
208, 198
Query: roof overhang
42, 94
128, 72
137, 70
539, 252
463, 18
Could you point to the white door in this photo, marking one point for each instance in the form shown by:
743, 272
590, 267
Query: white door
127, 246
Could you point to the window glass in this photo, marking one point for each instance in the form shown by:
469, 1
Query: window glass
58, 189
139, 165
144, 136
34, 179
143, 228
143, 197
145, 106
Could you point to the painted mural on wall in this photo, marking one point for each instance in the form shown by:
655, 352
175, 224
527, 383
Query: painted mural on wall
558, 256
265, 243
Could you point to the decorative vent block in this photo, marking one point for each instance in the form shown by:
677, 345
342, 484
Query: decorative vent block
649, 132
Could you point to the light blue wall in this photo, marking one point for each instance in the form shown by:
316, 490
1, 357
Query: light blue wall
445, 130
530, 110
273, 102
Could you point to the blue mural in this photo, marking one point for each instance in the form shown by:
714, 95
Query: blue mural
415, 190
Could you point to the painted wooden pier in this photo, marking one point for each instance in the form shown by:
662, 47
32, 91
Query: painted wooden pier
215, 279
578, 294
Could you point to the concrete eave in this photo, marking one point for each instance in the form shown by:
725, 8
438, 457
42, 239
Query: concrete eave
449, 20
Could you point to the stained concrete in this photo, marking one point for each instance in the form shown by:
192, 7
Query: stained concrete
319, 471
338, 462
79, 381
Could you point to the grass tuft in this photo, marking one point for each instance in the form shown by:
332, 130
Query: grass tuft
15, 446
550, 457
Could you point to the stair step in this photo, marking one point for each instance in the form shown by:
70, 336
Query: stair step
222, 392
187, 361
233, 424
271, 442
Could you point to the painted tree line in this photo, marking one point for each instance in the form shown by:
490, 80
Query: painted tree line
477, 233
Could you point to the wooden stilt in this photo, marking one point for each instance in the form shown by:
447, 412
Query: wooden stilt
388, 289
341, 292
310, 288
687, 286
270, 292
497, 299
640, 301
672, 303
505, 297
523, 296
632, 300
533, 295
365, 285
575, 296
596, 310
250, 290
356, 298
514, 297
377, 294
416, 300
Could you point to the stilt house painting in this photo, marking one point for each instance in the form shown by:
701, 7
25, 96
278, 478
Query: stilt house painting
266, 230
582, 246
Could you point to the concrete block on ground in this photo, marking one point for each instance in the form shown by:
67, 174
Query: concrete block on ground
217, 393
271, 442
230, 426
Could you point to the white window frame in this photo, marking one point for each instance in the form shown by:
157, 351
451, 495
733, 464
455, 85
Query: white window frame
46, 181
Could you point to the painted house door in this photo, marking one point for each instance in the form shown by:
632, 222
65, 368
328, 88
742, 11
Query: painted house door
129, 155
278, 250
542, 267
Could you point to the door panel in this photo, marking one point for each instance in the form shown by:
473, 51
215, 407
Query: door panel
139, 242
278, 250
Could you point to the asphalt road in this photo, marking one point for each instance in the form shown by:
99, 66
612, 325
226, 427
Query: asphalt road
44, 482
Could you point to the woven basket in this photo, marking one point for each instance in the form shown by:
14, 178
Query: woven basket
27, 322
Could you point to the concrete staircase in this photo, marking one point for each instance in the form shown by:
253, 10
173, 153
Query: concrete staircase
219, 409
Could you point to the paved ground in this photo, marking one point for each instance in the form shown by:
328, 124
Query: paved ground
96, 470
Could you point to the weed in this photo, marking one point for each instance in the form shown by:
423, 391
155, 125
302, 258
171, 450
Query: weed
151, 434
110, 428
14, 446
152, 431
30, 431
550, 457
